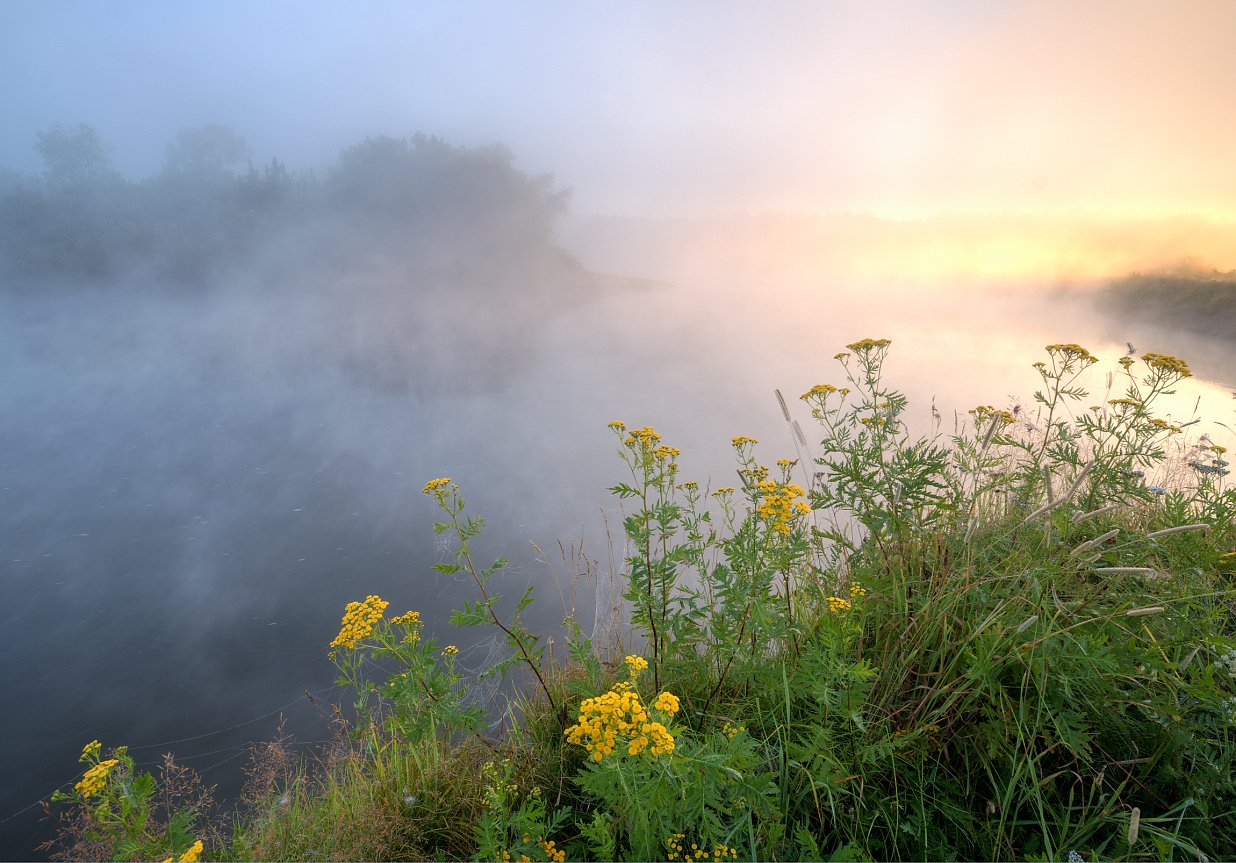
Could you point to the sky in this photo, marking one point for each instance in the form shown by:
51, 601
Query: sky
651, 108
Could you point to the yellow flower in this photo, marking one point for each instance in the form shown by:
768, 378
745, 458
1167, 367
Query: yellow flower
837, 605
778, 506
821, 390
1126, 403
731, 731
866, 345
857, 590
618, 425
436, 486
91, 749
95, 779
1125, 361
742, 440
666, 703
450, 650
618, 716
664, 452
1072, 352
1169, 364
408, 618
725, 489
358, 621
193, 854
635, 664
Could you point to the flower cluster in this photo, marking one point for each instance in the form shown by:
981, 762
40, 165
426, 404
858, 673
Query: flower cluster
450, 650
742, 440
982, 413
678, 850
725, 489
645, 436
823, 391
552, 852
867, 345
408, 618
664, 452
837, 605
857, 590
437, 487
90, 750
1169, 364
95, 779
1164, 425
635, 664
1071, 352
1126, 403
731, 731
778, 505
620, 716
358, 621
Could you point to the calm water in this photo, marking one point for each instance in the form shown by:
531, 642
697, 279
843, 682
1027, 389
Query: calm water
193, 489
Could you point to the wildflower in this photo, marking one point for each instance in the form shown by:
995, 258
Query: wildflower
552, 853
450, 650
408, 618
618, 425
90, 750
786, 462
1218, 450
857, 590
1165, 426
1169, 364
725, 489
666, 703
635, 665
821, 390
837, 605
618, 715
778, 505
193, 853
1216, 468
664, 452
437, 486
742, 440
1125, 361
646, 436
731, 731
691, 484
1072, 352
867, 345
843, 356
95, 778
1126, 403
358, 621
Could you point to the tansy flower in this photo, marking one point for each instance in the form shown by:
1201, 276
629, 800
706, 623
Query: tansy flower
837, 605
358, 621
90, 750
450, 650
666, 703
866, 345
95, 778
436, 486
1169, 364
635, 664
742, 440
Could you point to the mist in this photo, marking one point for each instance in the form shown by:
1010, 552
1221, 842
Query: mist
264, 272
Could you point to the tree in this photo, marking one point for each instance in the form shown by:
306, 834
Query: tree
205, 153
73, 156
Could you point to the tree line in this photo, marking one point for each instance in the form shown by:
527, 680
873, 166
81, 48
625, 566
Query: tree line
412, 202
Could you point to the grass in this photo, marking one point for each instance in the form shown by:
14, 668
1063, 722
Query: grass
1016, 642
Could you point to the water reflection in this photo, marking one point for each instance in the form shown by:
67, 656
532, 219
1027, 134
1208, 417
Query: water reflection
193, 490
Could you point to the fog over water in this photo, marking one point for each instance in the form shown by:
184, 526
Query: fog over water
265, 271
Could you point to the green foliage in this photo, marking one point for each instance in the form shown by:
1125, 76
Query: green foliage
1011, 646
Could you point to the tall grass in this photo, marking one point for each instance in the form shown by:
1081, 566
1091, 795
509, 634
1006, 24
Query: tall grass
1011, 643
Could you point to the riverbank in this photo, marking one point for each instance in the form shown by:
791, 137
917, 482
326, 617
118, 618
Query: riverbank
1016, 641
